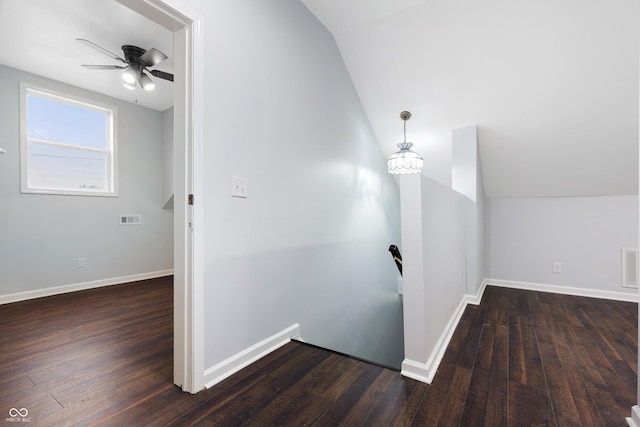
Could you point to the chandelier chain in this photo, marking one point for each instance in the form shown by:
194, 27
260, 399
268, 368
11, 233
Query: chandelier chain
405, 131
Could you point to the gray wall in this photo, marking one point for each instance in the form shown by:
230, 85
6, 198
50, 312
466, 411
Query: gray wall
42, 236
586, 234
310, 243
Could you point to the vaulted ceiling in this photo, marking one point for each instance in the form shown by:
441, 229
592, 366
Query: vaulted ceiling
551, 84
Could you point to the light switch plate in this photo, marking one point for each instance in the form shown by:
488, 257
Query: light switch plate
239, 187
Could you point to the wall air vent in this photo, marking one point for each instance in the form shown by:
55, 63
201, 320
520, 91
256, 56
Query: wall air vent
630, 268
130, 219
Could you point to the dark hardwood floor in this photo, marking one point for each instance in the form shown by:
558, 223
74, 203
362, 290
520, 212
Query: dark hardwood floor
104, 357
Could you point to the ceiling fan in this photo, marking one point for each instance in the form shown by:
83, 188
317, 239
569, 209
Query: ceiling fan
137, 63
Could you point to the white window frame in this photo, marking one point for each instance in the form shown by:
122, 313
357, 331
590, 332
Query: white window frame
111, 151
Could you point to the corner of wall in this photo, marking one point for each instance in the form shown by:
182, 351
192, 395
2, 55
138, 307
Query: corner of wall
425, 372
477, 298
416, 371
238, 361
634, 420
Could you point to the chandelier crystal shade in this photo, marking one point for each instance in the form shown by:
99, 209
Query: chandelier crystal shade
405, 161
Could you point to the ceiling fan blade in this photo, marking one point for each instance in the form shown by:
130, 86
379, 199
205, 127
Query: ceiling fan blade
101, 49
162, 75
104, 67
152, 57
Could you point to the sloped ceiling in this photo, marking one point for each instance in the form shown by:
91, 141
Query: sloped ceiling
552, 86
39, 36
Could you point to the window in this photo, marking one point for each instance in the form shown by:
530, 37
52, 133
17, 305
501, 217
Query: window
67, 145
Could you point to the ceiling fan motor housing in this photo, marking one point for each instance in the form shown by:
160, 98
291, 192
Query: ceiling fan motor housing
132, 55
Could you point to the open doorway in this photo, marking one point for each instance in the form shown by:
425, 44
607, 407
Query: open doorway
188, 311
58, 252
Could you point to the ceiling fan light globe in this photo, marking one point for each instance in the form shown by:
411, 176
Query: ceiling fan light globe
146, 82
129, 76
129, 86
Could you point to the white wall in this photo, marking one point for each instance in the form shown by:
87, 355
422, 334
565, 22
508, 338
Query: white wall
466, 178
434, 219
586, 234
310, 243
42, 236
443, 230
481, 232
464, 161
167, 158
414, 289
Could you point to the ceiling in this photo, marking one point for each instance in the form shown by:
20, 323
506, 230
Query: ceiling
552, 86
39, 36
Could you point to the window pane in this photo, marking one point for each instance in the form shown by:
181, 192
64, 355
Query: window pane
62, 168
60, 122
68, 144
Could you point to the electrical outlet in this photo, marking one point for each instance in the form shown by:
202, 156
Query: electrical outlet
239, 187
556, 267
81, 263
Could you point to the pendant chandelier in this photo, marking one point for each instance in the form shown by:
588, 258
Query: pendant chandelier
405, 161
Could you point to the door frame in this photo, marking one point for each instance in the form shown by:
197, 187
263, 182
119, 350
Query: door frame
188, 311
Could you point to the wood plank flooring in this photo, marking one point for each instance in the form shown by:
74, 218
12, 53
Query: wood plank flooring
104, 357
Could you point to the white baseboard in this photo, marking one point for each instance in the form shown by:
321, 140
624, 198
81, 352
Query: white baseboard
56, 290
416, 371
634, 420
233, 364
426, 371
566, 290
477, 298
